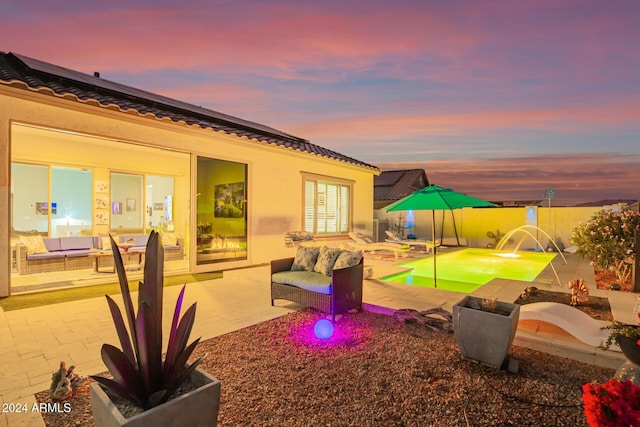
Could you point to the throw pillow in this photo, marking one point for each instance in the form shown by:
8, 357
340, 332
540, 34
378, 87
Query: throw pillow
34, 244
105, 243
347, 259
305, 258
326, 260
169, 239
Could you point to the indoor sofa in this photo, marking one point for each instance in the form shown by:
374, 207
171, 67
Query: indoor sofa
37, 254
42, 255
327, 279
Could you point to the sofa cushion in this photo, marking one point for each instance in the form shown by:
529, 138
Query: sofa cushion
347, 259
169, 239
305, 259
48, 255
76, 242
104, 241
34, 244
326, 260
75, 253
52, 243
307, 280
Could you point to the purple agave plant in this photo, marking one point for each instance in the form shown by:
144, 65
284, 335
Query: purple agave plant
139, 374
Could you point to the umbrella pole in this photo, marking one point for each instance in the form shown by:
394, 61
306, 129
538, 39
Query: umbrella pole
455, 230
435, 248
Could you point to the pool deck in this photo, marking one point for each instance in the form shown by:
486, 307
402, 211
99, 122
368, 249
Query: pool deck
35, 340
531, 334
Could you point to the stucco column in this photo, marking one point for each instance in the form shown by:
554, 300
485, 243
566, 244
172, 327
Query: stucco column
5, 194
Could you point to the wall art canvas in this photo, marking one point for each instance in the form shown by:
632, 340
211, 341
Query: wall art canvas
102, 203
101, 218
102, 187
229, 200
116, 208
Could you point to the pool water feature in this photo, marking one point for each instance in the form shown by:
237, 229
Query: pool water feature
468, 269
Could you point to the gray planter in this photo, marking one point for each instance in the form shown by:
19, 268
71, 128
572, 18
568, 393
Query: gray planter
483, 336
197, 408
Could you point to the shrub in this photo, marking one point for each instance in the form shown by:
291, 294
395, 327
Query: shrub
614, 403
607, 240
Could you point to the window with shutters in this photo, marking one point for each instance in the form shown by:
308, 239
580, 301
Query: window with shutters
327, 206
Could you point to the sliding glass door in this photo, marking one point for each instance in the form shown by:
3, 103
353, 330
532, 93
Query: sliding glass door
221, 211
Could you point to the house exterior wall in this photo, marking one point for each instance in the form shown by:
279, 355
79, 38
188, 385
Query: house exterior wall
274, 183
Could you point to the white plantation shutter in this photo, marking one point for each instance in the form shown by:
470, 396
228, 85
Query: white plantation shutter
332, 208
327, 207
321, 207
344, 209
309, 205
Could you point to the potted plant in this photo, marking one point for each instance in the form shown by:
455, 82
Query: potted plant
627, 338
204, 233
164, 393
484, 329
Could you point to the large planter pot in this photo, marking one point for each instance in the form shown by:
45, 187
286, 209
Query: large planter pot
483, 336
630, 349
196, 408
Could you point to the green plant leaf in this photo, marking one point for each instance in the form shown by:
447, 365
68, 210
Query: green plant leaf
182, 337
184, 376
124, 373
116, 387
121, 329
124, 290
172, 377
150, 357
151, 291
171, 346
158, 398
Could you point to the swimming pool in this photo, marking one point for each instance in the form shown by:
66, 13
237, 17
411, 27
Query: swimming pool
466, 270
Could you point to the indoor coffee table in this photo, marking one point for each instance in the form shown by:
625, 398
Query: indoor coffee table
98, 256
126, 258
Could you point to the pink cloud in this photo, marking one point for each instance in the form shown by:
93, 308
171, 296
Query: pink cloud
576, 179
375, 80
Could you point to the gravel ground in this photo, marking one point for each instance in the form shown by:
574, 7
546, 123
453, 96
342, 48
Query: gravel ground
375, 371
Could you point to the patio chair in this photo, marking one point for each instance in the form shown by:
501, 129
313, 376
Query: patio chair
293, 239
366, 244
428, 244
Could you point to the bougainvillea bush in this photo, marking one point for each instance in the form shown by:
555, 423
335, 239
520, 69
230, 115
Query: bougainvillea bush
607, 240
612, 404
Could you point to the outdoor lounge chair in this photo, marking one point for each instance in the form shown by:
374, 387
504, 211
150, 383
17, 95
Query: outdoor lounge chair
428, 244
366, 244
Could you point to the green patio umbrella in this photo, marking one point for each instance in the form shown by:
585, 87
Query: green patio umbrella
435, 198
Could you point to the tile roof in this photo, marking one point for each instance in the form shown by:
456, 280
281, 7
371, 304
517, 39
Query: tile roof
393, 185
32, 74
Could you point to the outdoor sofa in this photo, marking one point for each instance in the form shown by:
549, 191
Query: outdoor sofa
328, 279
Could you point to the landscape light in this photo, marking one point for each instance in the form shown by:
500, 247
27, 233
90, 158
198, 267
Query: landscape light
323, 329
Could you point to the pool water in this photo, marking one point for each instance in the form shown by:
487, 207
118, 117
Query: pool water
468, 269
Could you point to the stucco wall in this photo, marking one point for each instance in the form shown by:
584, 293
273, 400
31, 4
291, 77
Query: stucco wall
120, 142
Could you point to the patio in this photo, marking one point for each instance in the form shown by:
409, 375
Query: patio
37, 339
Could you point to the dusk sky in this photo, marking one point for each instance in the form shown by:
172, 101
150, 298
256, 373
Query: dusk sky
499, 99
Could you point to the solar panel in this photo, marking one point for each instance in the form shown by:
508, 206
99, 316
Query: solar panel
97, 82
